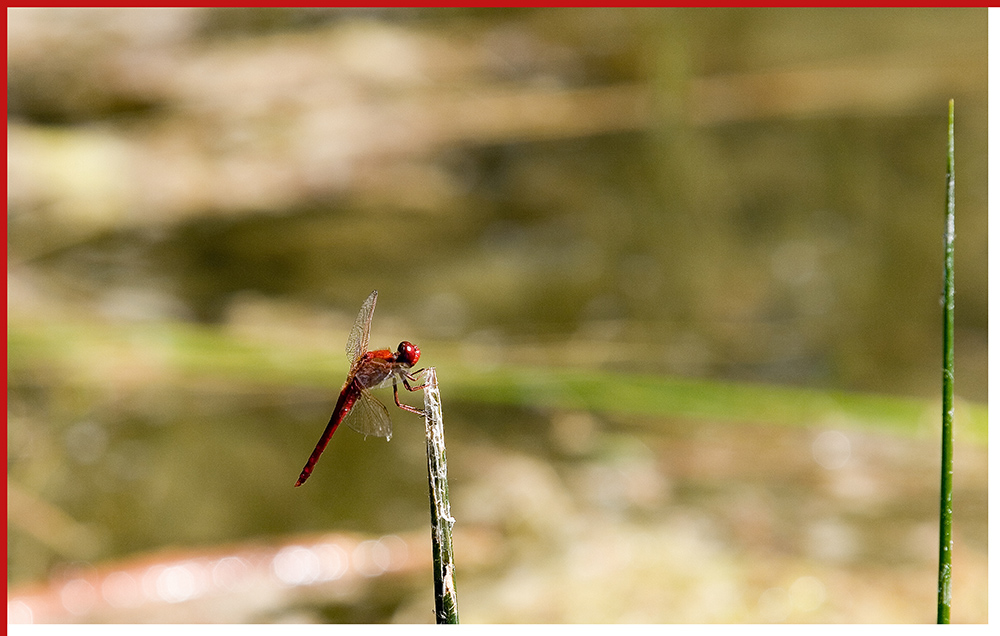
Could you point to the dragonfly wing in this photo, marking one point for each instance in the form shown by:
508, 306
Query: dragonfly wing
357, 342
369, 417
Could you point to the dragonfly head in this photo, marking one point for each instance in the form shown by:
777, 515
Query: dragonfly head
407, 354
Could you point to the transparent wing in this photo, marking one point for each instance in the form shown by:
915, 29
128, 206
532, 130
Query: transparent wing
369, 417
357, 342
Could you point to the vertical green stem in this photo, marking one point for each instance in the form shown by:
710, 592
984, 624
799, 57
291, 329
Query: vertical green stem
445, 597
948, 385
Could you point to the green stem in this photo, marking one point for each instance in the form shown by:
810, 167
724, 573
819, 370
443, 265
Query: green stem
948, 385
445, 597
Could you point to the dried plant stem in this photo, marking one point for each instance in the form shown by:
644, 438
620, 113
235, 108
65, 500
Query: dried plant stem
445, 597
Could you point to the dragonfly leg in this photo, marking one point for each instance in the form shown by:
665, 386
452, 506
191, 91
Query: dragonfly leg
395, 397
413, 377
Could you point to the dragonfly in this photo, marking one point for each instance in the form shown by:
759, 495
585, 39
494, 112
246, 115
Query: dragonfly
369, 370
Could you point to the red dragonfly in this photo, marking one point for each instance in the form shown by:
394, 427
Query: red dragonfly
369, 370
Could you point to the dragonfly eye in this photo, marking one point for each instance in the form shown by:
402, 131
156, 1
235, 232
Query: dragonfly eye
407, 353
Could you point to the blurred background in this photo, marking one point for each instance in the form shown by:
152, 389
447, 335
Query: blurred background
679, 272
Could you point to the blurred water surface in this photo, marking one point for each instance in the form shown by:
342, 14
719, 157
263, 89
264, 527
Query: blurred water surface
199, 201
